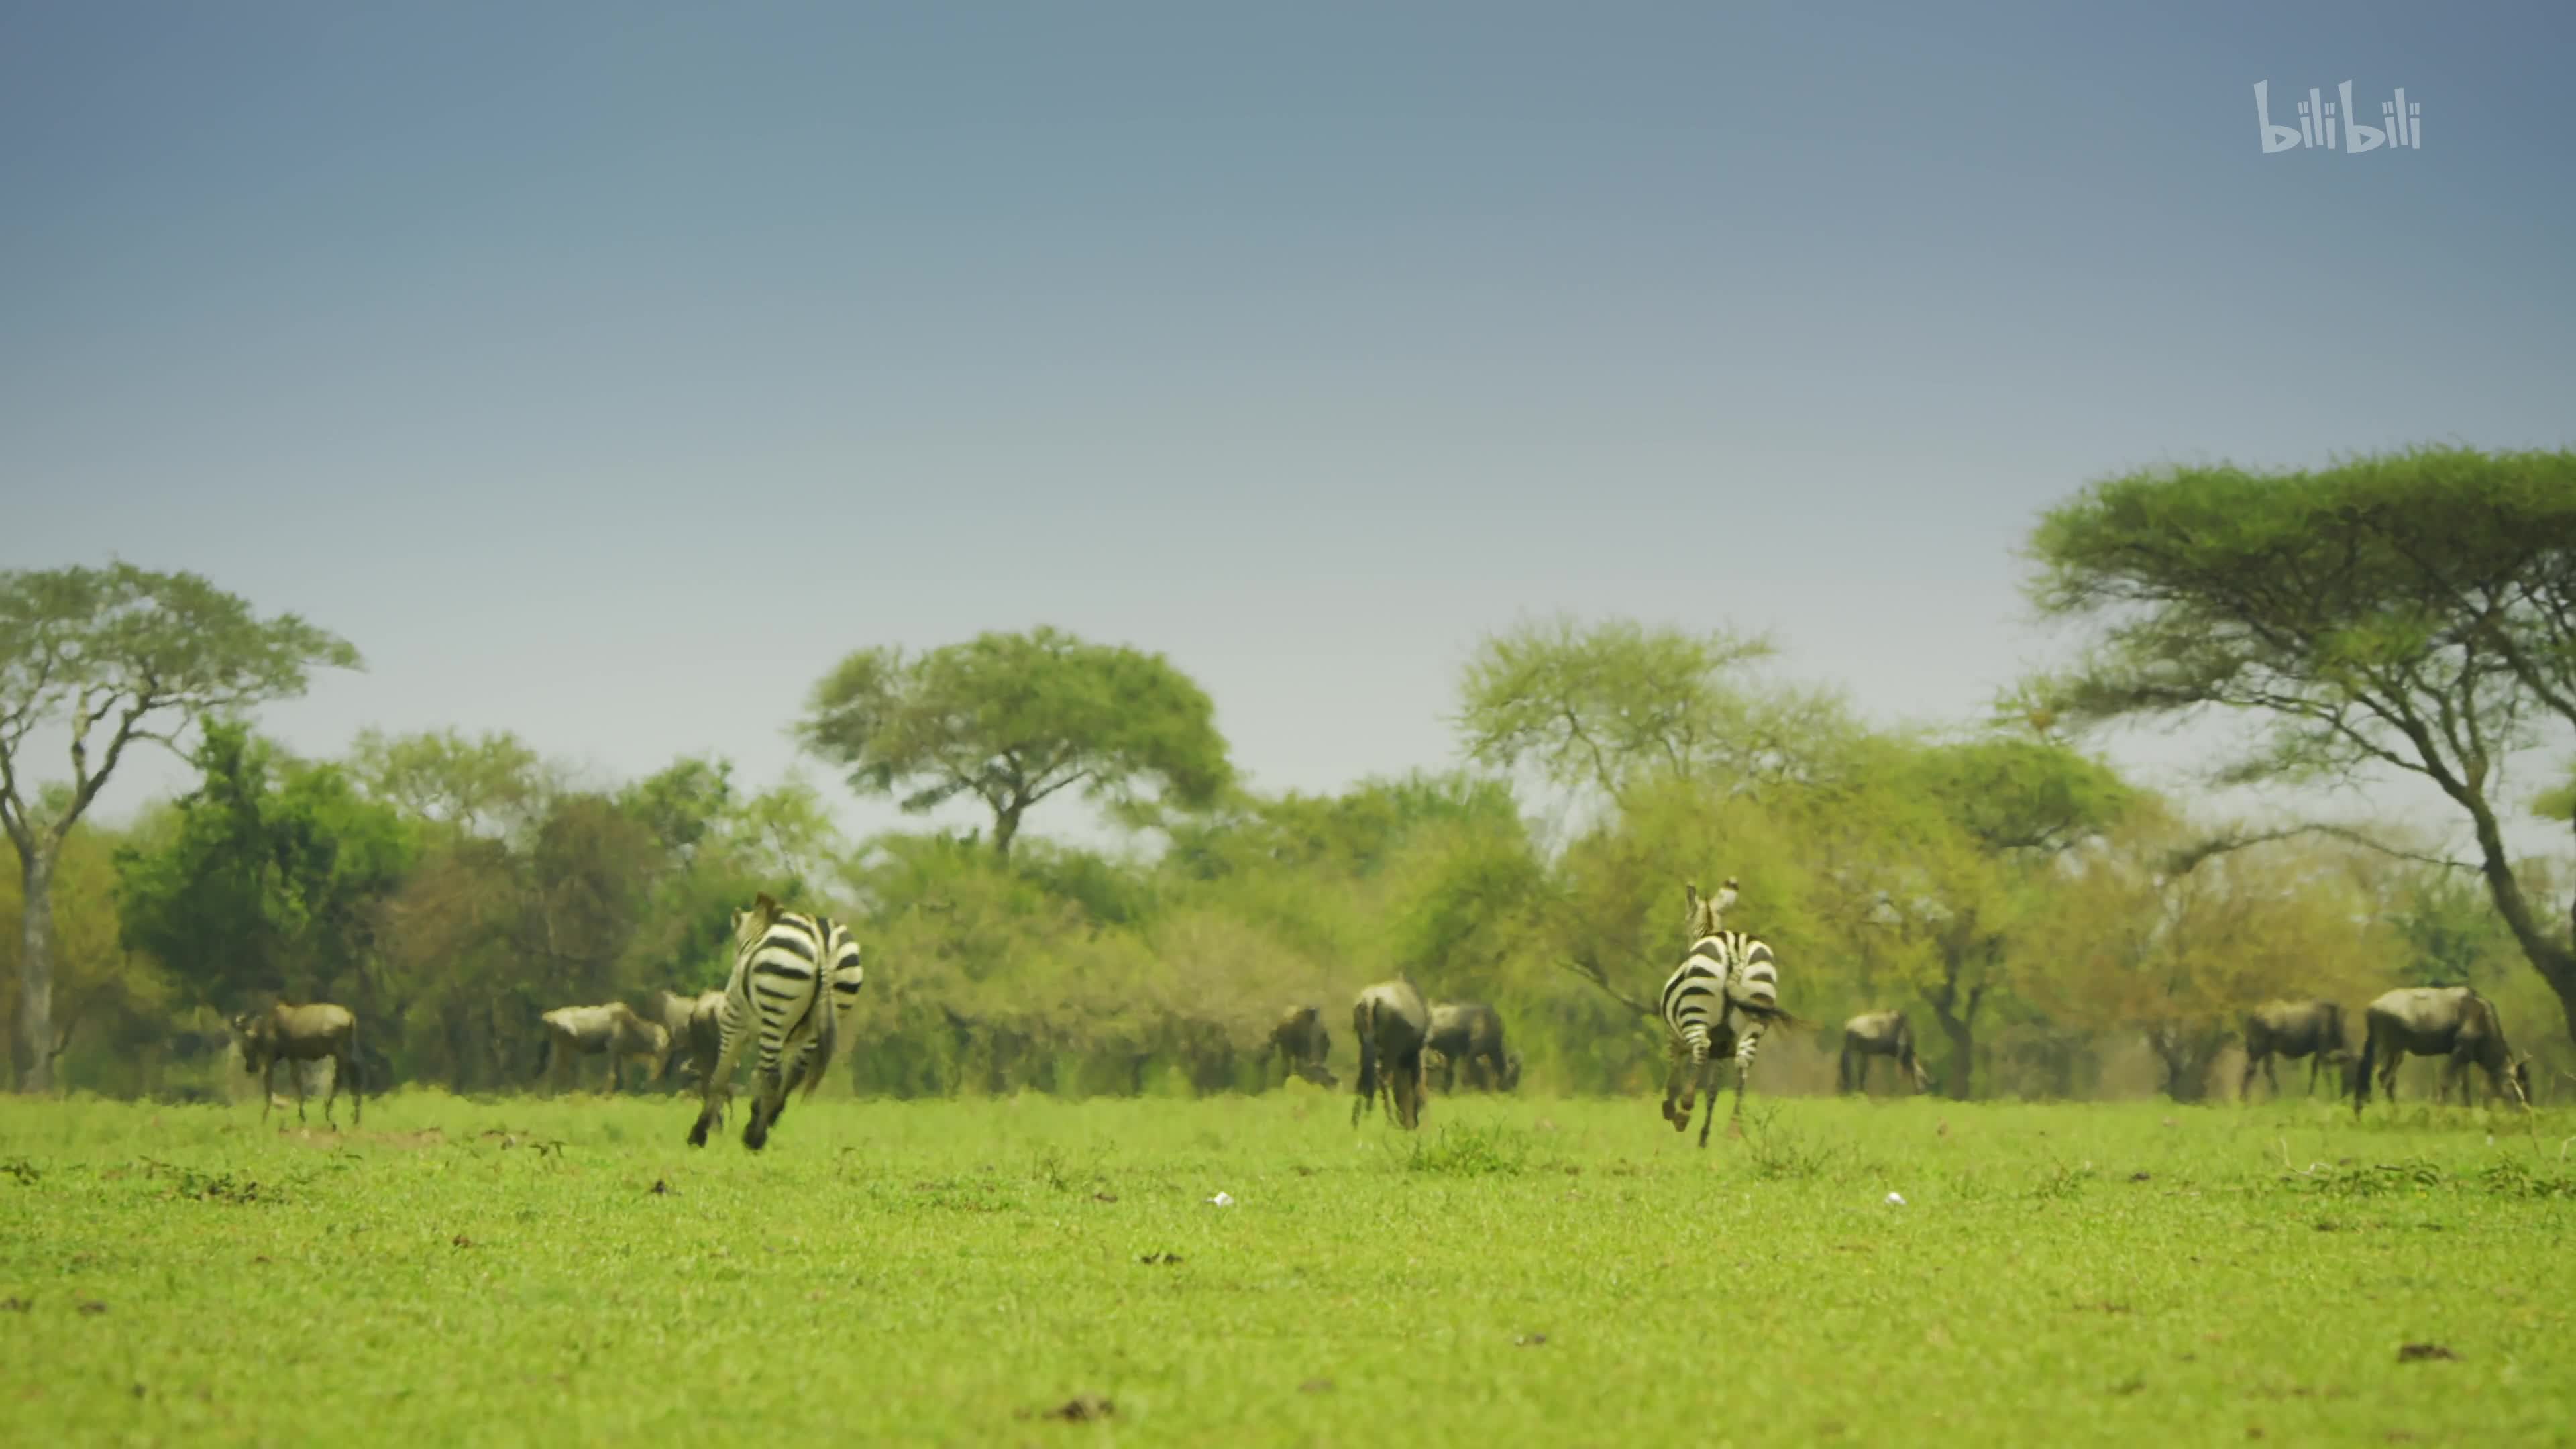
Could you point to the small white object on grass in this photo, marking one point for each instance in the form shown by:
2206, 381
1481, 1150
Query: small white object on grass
1896, 1199
1222, 1200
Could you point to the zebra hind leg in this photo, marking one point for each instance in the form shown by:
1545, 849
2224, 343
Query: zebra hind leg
764, 1109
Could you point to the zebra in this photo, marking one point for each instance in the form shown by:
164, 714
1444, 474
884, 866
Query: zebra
845, 980
781, 961
1719, 1000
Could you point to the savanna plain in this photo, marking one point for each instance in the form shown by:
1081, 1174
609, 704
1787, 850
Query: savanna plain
1040, 1271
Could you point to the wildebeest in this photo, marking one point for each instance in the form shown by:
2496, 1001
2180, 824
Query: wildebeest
287, 1032
1302, 1044
615, 1029
1470, 1032
699, 1034
1392, 1023
2311, 1029
672, 1012
1880, 1034
2444, 1021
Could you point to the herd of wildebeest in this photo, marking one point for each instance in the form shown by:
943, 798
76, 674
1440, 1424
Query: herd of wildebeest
1405, 1041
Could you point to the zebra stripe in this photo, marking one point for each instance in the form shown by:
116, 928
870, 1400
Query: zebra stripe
845, 980
778, 986
1716, 1003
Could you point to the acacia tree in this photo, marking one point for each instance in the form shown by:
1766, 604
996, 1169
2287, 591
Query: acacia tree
2413, 611
1015, 718
112, 656
1604, 707
2015, 805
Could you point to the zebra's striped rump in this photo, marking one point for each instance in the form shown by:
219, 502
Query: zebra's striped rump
794, 977
1716, 1004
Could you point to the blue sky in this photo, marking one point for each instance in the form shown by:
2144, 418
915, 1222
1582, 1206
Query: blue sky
606, 371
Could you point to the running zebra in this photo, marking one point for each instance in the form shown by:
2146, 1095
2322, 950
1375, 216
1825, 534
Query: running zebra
781, 959
845, 980
1719, 1000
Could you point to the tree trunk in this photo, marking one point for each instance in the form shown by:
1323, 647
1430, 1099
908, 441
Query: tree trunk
1963, 1045
2554, 960
1959, 1026
36, 972
1006, 824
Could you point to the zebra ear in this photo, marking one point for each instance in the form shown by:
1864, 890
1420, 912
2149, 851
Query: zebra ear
766, 906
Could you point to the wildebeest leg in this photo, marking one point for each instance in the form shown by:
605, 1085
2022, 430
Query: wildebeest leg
717, 1088
357, 1094
267, 1089
297, 1069
333, 1096
1365, 1091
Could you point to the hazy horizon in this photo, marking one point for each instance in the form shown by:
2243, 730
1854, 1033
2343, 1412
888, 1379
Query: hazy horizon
606, 373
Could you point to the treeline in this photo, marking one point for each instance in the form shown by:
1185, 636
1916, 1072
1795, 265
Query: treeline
2040, 916
2020, 899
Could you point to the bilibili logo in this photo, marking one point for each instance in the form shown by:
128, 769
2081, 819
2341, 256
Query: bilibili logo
2401, 122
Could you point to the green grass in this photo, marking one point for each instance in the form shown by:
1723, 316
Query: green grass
1521, 1271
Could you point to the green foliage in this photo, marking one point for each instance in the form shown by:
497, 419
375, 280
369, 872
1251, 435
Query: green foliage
2450, 933
273, 882
492, 785
2413, 611
1014, 718
1604, 706
1460, 1149
137, 655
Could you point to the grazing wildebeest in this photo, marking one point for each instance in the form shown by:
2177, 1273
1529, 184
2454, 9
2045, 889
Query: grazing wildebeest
699, 1035
1880, 1034
672, 1012
1303, 1044
2311, 1029
1392, 1022
615, 1029
2444, 1021
1717, 1003
287, 1032
1471, 1032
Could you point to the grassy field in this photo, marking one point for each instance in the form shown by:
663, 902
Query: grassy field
1522, 1271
